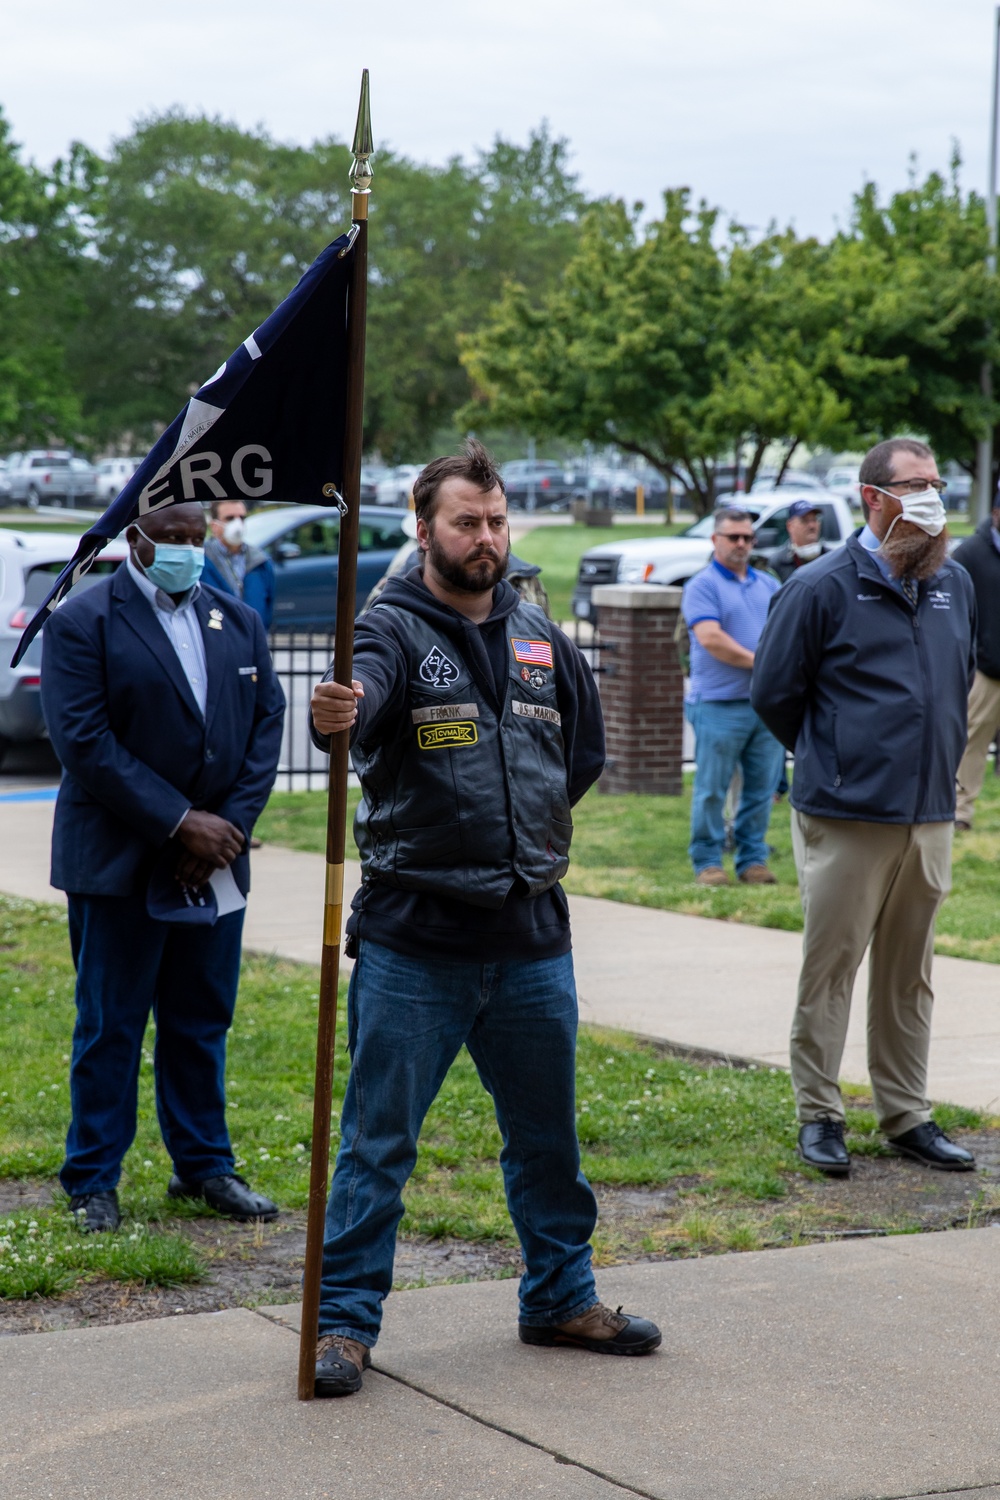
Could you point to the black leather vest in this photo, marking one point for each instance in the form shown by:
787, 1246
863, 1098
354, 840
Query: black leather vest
464, 802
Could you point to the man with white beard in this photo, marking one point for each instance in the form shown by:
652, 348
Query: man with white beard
863, 670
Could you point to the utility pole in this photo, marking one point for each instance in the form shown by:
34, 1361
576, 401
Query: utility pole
984, 451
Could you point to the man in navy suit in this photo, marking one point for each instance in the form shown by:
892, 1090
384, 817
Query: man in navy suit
165, 712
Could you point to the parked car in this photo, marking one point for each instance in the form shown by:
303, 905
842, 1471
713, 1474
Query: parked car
843, 480
302, 542
960, 485
536, 484
30, 562
371, 477
674, 559
4, 482
396, 485
112, 476
767, 482
49, 477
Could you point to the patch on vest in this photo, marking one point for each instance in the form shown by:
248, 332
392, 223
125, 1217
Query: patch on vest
534, 677
446, 736
441, 712
535, 711
535, 653
437, 669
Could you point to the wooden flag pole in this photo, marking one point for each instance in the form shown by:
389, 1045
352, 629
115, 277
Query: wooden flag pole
336, 818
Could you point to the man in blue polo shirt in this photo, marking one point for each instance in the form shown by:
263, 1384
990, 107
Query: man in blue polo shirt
724, 607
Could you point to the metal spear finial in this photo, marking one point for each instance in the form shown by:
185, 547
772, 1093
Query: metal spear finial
361, 172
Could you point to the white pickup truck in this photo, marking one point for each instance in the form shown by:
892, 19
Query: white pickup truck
48, 476
674, 559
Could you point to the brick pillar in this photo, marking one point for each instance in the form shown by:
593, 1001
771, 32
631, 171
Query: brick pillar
642, 687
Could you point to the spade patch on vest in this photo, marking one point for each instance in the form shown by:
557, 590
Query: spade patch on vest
437, 669
447, 736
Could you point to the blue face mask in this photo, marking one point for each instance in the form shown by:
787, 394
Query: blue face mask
174, 568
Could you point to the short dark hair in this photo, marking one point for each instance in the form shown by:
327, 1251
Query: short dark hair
475, 464
730, 513
878, 463
213, 508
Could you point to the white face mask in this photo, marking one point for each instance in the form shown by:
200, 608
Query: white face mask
925, 510
808, 550
233, 531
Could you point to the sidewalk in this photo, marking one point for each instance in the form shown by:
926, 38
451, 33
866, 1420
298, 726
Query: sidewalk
842, 1371
690, 980
837, 1371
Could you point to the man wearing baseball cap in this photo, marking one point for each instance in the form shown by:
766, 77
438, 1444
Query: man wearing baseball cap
805, 520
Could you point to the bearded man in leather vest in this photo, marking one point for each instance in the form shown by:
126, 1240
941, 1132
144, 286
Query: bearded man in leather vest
475, 725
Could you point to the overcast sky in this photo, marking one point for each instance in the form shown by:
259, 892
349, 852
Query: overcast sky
774, 109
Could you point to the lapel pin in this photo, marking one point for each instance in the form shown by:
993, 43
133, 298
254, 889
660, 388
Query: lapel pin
215, 619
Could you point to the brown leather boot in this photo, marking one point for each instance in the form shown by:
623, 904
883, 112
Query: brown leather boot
339, 1363
758, 875
712, 875
599, 1330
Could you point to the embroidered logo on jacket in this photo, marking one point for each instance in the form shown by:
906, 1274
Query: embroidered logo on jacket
446, 736
437, 669
535, 711
535, 653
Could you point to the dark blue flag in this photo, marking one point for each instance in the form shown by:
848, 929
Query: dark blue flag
268, 426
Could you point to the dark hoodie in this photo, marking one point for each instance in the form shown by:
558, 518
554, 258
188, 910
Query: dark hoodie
431, 926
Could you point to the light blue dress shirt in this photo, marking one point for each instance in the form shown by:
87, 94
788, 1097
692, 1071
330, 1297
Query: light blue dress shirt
182, 628
871, 544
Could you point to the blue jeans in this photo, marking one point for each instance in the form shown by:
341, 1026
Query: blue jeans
128, 964
408, 1018
729, 734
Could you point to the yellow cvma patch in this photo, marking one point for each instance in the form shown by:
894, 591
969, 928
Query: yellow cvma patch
445, 736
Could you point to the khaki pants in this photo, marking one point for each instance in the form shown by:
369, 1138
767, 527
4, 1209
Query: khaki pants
867, 882
984, 721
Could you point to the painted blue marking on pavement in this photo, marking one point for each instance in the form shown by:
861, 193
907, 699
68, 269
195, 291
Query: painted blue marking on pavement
45, 794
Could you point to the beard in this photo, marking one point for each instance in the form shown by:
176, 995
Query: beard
911, 553
481, 570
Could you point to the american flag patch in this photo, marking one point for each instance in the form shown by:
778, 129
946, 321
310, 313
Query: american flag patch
539, 653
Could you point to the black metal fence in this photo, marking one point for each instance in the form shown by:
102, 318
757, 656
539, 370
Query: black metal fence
300, 659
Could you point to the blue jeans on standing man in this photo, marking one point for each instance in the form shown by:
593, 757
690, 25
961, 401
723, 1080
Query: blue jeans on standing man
408, 1019
729, 734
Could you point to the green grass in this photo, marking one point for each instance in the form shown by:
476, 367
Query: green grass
43, 1253
634, 849
724, 1137
558, 549
30, 522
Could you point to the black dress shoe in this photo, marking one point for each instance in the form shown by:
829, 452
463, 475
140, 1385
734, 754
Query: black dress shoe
929, 1145
100, 1211
340, 1362
821, 1144
231, 1196
600, 1330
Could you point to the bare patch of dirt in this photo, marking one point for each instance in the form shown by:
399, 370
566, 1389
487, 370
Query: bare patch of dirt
250, 1265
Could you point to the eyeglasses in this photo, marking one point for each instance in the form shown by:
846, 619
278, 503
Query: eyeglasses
743, 537
915, 486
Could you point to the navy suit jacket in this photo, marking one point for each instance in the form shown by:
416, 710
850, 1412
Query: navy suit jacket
135, 750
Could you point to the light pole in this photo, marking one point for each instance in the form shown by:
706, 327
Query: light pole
984, 451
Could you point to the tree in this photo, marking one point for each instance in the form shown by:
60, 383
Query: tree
682, 343
926, 311
39, 294
199, 229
